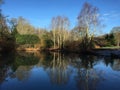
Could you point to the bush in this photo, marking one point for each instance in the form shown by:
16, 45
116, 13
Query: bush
46, 42
27, 39
110, 39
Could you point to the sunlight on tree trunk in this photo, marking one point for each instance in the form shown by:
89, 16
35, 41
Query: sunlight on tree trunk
59, 26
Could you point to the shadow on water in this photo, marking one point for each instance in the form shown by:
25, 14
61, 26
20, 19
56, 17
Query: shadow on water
11, 62
79, 72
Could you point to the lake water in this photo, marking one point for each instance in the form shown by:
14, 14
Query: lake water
56, 71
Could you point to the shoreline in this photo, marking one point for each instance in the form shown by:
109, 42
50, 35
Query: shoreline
106, 52
97, 51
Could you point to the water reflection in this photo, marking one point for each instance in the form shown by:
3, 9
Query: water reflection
5, 63
17, 65
116, 65
78, 72
58, 70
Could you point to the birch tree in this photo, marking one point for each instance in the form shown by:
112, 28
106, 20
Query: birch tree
88, 21
60, 26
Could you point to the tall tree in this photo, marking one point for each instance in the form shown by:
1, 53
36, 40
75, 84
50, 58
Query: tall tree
88, 20
3, 26
60, 26
53, 25
6, 41
13, 27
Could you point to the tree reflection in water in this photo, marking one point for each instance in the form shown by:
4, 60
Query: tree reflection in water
87, 77
60, 68
22, 65
17, 66
5, 64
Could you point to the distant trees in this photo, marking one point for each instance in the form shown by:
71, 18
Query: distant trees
45, 37
116, 33
24, 27
46, 40
88, 20
27, 35
60, 26
23, 32
110, 39
21, 25
56, 38
20, 32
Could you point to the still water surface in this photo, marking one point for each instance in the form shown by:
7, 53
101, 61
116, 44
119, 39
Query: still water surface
56, 71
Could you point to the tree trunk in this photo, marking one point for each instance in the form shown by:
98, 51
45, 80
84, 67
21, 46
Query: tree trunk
118, 42
54, 39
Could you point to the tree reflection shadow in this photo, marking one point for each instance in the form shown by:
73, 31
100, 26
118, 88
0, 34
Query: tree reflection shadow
61, 68
58, 69
5, 63
16, 66
22, 65
86, 77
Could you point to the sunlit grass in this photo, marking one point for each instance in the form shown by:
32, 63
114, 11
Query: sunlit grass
114, 47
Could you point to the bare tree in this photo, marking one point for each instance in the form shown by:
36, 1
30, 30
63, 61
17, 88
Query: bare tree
88, 20
24, 27
60, 26
53, 28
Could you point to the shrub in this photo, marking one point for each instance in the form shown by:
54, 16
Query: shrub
27, 39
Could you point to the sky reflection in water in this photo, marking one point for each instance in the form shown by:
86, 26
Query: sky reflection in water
56, 71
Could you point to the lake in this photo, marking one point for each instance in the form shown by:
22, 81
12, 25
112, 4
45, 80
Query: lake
58, 71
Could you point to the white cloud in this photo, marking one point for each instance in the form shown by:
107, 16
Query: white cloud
111, 15
106, 14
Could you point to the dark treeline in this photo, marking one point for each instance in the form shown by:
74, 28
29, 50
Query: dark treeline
21, 35
6, 39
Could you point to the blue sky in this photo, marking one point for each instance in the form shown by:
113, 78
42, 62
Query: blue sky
40, 12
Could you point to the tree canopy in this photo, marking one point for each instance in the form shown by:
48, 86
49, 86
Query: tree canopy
116, 32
